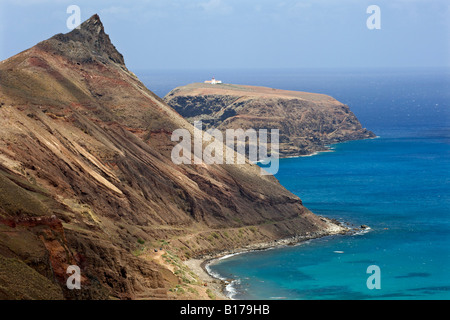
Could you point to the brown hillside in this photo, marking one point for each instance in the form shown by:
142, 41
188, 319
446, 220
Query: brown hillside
86, 178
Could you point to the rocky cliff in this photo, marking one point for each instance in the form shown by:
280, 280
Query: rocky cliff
86, 179
307, 122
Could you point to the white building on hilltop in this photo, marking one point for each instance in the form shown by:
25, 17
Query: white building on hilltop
213, 81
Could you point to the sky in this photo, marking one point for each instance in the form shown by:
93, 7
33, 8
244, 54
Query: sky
199, 34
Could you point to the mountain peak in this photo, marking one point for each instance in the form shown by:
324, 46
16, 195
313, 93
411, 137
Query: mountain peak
85, 44
93, 25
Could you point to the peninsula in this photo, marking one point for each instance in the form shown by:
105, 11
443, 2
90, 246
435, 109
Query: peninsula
307, 122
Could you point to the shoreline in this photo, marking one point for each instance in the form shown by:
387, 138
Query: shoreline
328, 148
219, 285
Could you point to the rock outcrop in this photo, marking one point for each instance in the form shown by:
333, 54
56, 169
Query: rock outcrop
307, 122
86, 179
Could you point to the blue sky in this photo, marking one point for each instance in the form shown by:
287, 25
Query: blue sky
196, 34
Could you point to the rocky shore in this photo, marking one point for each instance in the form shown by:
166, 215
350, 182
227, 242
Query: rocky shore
199, 265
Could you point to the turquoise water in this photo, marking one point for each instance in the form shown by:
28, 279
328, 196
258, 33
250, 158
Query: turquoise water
400, 187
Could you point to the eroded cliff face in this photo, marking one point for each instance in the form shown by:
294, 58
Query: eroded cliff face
307, 122
86, 179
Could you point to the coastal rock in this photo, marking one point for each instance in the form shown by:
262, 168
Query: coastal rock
86, 179
308, 122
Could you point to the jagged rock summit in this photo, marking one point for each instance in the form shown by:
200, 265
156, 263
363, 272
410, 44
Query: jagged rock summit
85, 43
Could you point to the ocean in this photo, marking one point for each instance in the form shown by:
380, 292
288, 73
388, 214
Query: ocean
398, 184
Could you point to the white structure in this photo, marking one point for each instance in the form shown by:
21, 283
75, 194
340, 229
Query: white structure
213, 81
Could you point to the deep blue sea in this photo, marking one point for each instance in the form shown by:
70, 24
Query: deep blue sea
398, 184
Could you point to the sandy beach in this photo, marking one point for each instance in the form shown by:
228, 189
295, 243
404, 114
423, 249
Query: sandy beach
217, 286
